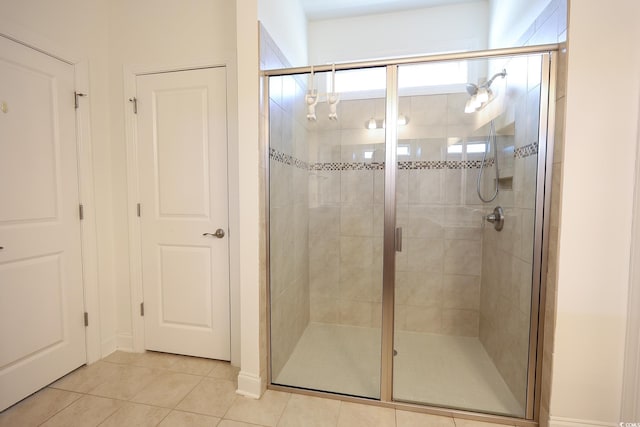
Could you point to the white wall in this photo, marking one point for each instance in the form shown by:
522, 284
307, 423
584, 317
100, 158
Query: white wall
595, 225
158, 35
415, 32
510, 19
77, 30
250, 379
287, 24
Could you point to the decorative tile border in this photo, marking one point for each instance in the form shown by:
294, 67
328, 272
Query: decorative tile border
287, 159
275, 155
346, 166
526, 151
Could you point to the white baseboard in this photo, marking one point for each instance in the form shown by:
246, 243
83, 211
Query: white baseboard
124, 342
249, 385
108, 346
574, 422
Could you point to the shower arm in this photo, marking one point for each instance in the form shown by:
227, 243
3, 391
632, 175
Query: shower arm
489, 82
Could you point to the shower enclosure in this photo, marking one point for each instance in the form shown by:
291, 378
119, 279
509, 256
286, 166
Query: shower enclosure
389, 277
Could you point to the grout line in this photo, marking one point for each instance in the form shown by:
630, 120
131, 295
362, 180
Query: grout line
62, 409
283, 409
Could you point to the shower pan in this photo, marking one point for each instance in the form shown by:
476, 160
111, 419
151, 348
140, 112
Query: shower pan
386, 279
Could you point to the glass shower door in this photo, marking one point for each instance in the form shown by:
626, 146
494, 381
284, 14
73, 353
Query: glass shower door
326, 194
464, 285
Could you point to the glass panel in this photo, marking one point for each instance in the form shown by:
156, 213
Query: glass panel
326, 189
463, 289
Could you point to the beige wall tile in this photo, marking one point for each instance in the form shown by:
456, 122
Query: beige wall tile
460, 322
355, 313
462, 257
461, 292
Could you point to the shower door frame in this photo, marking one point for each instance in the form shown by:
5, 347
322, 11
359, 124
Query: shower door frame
546, 130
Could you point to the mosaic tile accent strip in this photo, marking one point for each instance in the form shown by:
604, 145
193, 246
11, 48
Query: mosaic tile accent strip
526, 151
346, 166
287, 159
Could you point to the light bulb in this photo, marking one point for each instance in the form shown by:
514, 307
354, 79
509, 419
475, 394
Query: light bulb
469, 107
402, 120
372, 124
483, 95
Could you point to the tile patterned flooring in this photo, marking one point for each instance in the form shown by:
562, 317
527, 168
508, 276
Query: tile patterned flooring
156, 389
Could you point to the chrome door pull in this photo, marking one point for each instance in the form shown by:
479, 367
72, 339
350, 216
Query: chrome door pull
219, 233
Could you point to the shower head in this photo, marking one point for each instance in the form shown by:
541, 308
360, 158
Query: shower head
480, 94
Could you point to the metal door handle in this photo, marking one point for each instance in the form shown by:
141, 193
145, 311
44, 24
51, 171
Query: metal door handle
219, 233
399, 239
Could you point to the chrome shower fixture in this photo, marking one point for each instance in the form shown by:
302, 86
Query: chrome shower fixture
481, 94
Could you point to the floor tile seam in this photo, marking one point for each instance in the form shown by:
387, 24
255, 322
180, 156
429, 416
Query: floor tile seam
61, 409
167, 369
188, 393
121, 400
191, 411
101, 422
110, 415
235, 398
284, 408
162, 373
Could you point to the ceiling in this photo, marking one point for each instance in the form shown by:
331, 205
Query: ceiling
332, 9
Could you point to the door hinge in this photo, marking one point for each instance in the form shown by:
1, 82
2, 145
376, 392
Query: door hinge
142, 309
86, 319
76, 96
81, 211
134, 101
139, 210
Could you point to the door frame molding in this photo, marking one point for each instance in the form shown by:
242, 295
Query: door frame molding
86, 193
631, 371
130, 72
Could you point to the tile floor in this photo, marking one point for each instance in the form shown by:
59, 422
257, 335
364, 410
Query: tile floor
156, 389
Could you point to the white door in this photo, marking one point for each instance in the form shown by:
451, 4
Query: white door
182, 149
41, 291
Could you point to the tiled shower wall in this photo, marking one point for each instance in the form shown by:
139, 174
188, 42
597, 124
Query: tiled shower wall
508, 255
438, 271
288, 215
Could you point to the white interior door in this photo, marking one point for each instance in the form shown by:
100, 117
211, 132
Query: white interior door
41, 292
182, 148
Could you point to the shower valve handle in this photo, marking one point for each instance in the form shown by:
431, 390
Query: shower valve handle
496, 218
